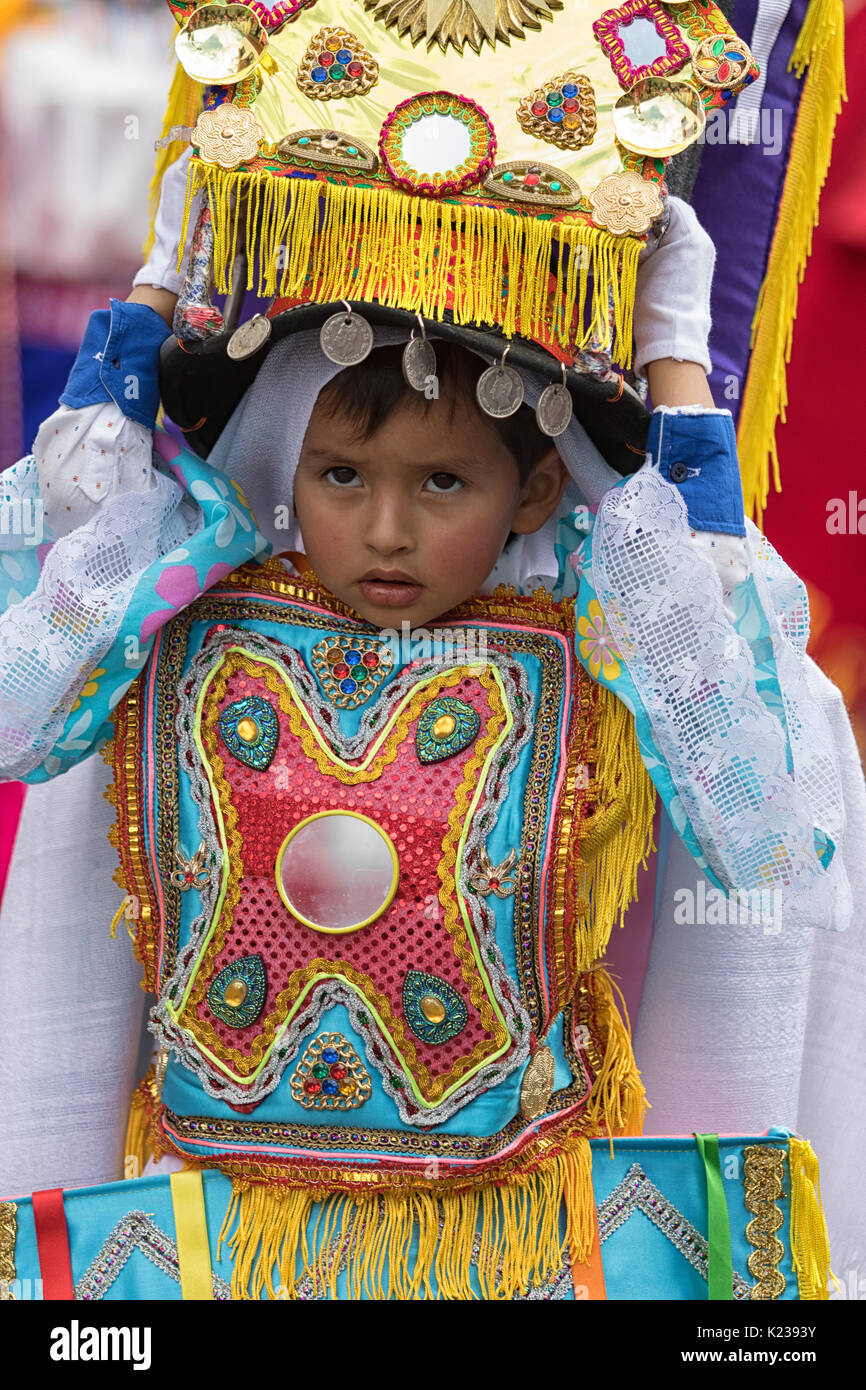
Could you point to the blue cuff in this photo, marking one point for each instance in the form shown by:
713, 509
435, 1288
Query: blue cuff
118, 361
698, 454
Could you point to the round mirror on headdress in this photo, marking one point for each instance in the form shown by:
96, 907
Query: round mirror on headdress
437, 143
659, 118
221, 44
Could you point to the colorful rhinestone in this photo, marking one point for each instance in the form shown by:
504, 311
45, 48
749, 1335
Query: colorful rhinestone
249, 730
331, 1075
563, 112
237, 994
351, 671
433, 1009
446, 727
336, 64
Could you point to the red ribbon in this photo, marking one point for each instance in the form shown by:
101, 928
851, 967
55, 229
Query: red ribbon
52, 1239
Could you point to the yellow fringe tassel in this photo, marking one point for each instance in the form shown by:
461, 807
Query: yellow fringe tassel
820, 45
412, 1244
184, 105
618, 1102
810, 1248
618, 837
489, 265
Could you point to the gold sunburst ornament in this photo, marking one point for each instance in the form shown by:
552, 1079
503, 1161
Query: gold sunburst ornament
463, 23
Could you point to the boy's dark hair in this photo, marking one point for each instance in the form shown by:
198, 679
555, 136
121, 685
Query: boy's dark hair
366, 395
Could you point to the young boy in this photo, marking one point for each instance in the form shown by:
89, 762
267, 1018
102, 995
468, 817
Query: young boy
405, 508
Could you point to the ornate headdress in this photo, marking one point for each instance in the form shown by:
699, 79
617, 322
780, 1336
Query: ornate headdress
490, 167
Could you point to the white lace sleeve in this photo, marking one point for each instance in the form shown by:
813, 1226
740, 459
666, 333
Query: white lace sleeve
64, 601
742, 753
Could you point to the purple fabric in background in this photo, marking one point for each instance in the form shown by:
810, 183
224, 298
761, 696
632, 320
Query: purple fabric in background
736, 197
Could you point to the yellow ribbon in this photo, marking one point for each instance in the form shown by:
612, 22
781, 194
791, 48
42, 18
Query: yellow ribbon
190, 1224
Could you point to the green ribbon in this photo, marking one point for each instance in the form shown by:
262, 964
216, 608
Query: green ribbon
720, 1265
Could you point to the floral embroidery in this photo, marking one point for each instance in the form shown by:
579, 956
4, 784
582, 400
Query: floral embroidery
598, 647
90, 688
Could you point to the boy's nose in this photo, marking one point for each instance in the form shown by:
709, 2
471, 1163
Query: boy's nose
388, 527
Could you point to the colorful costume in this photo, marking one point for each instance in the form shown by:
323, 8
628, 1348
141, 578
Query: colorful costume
372, 887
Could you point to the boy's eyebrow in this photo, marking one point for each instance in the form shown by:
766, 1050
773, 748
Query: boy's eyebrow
322, 455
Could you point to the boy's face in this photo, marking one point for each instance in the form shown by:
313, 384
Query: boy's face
407, 524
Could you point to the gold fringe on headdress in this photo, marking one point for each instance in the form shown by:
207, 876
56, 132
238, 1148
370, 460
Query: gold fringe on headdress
810, 1248
488, 265
415, 1243
821, 45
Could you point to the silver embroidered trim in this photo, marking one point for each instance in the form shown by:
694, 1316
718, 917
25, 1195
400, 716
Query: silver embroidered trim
136, 1231
288, 1045
637, 1193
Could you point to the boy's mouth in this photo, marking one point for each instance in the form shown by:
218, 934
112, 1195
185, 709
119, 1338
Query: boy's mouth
390, 588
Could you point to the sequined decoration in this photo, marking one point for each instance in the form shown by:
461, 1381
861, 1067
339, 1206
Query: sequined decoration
190, 873
250, 730
562, 112
8, 1236
637, 1193
237, 994
351, 669
763, 1175
494, 878
336, 64
446, 727
136, 1231
331, 1075
433, 1008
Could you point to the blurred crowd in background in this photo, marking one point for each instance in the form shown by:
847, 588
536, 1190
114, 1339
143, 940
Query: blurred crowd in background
83, 85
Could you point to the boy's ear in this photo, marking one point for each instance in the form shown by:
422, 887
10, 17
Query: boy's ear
541, 493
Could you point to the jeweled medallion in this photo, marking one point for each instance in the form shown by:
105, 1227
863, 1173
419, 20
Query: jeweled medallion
237, 994
331, 1076
434, 1010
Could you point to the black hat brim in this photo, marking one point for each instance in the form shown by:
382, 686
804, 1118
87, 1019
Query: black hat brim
201, 386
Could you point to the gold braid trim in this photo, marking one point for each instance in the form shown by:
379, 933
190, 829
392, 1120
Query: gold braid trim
202, 1029
514, 1211
8, 1236
124, 755
763, 1175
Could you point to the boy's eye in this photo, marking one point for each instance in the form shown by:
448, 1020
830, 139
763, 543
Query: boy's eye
342, 476
444, 482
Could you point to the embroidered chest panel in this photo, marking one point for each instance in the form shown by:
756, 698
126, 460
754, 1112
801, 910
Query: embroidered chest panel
311, 818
